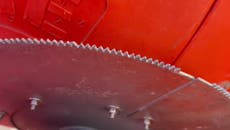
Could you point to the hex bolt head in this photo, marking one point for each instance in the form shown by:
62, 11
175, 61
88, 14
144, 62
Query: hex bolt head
113, 109
34, 101
147, 122
2, 115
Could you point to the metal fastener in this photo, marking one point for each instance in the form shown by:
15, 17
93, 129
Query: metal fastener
113, 109
147, 122
34, 102
2, 115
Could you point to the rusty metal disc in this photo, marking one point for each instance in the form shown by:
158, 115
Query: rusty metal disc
76, 84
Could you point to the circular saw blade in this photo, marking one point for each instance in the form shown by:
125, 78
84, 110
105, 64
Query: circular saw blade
77, 84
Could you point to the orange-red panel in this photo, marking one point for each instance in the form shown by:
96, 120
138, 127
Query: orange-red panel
156, 28
208, 55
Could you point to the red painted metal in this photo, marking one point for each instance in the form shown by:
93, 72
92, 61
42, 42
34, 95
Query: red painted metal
155, 28
208, 53
59, 19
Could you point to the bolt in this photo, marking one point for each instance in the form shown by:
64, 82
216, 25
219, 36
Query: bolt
147, 122
113, 109
2, 115
34, 103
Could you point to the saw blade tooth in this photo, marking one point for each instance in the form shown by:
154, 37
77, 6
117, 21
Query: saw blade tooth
12, 40
75, 44
149, 60
177, 70
120, 53
221, 90
143, 59
88, 46
2, 41
55, 42
30, 41
36, 41
107, 50
25, 41
8, 41
82, 46
17, 40
49, 42
217, 87
69, 44
94, 47
137, 57
161, 64
155, 62
166, 66
132, 56
172, 67
126, 54
114, 51
42, 41
62, 43
100, 48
